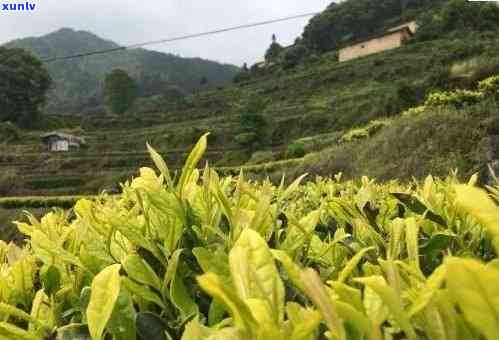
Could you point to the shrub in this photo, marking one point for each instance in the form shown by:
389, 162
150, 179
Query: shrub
8, 181
34, 202
457, 98
490, 86
296, 150
253, 126
439, 78
408, 95
246, 138
55, 182
294, 56
414, 110
261, 157
9, 132
364, 132
242, 76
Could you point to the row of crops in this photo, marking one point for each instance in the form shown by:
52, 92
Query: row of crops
34, 202
204, 257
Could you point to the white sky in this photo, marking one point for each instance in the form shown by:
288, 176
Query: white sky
127, 22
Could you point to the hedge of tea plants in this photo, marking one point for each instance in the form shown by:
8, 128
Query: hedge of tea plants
199, 256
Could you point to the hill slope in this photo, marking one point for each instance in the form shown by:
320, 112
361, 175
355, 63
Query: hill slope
78, 82
315, 105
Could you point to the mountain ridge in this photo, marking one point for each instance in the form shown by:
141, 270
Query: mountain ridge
78, 83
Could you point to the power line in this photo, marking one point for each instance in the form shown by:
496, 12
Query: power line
184, 37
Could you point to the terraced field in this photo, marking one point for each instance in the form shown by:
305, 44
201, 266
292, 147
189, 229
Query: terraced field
313, 104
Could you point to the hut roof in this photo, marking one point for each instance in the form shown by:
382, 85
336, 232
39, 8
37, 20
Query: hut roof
61, 135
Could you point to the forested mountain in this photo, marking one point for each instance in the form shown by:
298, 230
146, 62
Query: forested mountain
78, 83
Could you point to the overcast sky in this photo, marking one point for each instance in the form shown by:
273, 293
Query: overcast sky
128, 22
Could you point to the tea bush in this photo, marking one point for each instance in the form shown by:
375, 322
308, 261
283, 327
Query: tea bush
490, 86
198, 256
296, 150
34, 202
457, 98
364, 132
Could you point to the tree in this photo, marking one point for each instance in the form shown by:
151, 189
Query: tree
120, 91
294, 55
274, 51
24, 83
203, 80
174, 95
253, 127
458, 16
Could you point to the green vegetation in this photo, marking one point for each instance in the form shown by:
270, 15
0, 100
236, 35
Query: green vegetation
457, 17
78, 84
274, 51
296, 150
201, 256
39, 202
415, 139
346, 115
490, 87
456, 98
254, 128
350, 20
9, 132
316, 105
120, 91
364, 132
24, 83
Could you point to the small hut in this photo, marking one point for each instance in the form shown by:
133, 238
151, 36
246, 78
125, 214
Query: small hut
62, 142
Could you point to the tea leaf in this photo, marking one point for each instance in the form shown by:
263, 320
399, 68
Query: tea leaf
191, 162
419, 208
243, 318
392, 301
471, 285
160, 164
11, 332
354, 261
477, 203
254, 272
316, 292
140, 271
151, 327
180, 297
105, 291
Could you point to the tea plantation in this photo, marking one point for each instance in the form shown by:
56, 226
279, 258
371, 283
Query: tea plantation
317, 110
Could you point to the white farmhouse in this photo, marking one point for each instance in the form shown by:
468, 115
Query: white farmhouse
59, 141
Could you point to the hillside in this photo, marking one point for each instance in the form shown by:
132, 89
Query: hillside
78, 83
314, 105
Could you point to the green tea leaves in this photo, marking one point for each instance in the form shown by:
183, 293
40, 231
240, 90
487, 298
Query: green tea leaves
105, 292
140, 271
473, 287
254, 272
477, 203
160, 164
